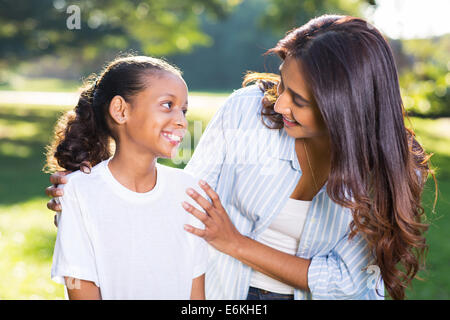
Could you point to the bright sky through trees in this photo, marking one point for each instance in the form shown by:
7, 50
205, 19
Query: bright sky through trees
407, 19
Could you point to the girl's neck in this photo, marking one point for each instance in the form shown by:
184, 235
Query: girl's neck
136, 172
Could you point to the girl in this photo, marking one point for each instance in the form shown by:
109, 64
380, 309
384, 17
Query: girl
315, 182
121, 231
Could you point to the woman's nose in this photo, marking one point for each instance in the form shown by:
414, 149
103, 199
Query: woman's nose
281, 105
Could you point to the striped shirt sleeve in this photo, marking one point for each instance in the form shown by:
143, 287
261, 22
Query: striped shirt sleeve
210, 153
342, 273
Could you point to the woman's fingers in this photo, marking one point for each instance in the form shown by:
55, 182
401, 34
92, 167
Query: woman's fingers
54, 205
85, 167
54, 191
211, 194
203, 217
205, 204
59, 177
198, 232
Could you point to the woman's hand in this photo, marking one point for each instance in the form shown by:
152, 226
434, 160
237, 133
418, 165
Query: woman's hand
221, 234
219, 230
53, 191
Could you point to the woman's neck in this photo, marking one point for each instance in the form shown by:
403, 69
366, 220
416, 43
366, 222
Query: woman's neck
319, 154
135, 171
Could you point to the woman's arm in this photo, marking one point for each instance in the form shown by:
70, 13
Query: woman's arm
82, 289
221, 234
343, 273
198, 288
276, 264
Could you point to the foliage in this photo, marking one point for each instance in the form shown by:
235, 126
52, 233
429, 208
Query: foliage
281, 15
240, 40
154, 27
425, 82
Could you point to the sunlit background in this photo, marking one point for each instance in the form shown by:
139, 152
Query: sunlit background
45, 55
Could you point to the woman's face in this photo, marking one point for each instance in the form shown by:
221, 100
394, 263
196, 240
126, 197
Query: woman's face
301, 116
157, 118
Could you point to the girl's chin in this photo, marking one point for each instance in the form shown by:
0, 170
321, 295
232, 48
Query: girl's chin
169, 153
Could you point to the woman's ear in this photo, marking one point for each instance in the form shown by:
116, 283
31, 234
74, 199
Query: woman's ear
119, 110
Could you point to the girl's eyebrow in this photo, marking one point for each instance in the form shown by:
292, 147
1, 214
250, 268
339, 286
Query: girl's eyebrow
293, 93
172, 96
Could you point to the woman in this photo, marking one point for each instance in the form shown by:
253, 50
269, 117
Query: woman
331, 146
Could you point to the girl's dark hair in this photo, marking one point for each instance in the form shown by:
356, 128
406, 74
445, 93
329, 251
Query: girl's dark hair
378, 169
83, 134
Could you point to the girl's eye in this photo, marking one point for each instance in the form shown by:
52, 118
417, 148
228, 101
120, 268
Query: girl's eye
168, 104
185, 111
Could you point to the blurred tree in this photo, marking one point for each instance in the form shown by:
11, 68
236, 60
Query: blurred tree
156, 27
240, 40
425, 82
284, 15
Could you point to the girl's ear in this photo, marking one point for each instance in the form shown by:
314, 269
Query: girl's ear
119, 110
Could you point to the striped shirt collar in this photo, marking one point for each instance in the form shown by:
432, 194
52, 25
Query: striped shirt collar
287, 149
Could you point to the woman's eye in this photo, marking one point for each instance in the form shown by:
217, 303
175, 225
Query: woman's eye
185, 111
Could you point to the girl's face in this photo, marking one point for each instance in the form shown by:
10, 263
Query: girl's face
301, 116
157, 118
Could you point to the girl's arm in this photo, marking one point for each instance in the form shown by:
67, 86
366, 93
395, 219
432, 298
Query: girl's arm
82, 289
198, 288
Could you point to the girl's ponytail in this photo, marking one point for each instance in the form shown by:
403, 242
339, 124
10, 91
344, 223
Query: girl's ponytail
80, 136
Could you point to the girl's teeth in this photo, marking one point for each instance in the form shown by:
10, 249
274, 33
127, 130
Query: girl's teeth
172, 137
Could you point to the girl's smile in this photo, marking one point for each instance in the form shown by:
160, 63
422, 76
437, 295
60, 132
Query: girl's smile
174, 138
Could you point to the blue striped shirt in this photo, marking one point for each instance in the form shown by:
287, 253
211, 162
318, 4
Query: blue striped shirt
254, 170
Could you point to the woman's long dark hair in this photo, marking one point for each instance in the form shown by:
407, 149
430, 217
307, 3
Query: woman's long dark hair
83, 135
378, 169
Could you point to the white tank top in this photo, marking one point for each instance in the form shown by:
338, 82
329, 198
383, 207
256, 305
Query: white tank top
283, 234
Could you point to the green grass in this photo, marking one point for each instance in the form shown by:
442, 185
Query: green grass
27, 232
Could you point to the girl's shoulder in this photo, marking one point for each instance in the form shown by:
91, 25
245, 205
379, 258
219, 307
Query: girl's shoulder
179, 179
176, 175
79, 179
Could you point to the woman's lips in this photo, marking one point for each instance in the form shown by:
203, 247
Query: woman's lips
289, 123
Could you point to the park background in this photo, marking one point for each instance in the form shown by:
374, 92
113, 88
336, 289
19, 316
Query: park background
45, 54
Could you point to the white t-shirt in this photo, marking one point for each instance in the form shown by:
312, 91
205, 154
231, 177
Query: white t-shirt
283, 234
131, 245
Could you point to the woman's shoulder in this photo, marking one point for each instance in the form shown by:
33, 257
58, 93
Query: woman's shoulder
242, 107
246, 98
252, 91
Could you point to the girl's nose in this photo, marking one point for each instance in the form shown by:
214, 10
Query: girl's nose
180, 119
